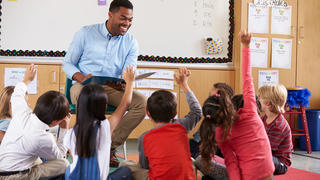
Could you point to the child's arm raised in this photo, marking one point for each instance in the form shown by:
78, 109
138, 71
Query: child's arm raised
18, 101
30, 73
248, 89
194, 116
181, 77
115, 118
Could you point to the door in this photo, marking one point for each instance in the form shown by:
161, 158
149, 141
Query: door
308, 49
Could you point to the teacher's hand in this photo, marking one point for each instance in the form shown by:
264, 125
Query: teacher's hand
79, 77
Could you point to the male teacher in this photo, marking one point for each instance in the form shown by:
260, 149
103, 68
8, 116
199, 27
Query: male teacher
106, 50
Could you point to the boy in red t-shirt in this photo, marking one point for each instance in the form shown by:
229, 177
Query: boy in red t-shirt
164, 150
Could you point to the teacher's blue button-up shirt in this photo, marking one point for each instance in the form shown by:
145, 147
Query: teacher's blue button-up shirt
94, 50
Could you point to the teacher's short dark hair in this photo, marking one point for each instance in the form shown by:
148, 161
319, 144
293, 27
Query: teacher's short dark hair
116, 4
51, 106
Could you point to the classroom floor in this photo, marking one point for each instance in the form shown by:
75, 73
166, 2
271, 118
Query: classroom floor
300, 159
309, 162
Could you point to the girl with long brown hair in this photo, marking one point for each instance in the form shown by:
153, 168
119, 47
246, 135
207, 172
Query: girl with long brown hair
239, 134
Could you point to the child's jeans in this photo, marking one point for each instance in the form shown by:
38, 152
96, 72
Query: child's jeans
218, 171
138, 173
279, 167
122, 173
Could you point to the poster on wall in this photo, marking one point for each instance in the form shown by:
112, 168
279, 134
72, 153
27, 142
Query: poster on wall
281, 20
158, 74
12, 76
259, 52
281, 53
268, 77
258, 19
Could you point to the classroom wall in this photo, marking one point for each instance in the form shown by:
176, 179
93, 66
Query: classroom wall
305, 54
286, 76
157, 25
204, 76
304, 70
51, 77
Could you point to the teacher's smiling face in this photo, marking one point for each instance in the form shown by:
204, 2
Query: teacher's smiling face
119, 21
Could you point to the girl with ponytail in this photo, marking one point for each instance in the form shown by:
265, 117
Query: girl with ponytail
218, 111
239, 134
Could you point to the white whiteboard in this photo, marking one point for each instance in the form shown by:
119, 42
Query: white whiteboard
175, 28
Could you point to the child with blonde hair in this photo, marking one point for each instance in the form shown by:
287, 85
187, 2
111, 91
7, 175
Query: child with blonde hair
273, 98
5, 109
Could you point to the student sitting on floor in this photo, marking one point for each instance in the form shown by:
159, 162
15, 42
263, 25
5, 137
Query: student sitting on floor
240, 135
195, 142
90, 139
5, 109
164, 150
218, 169
27, 138
273, 99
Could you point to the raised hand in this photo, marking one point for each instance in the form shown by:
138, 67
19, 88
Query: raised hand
30, 73
245, 38
181, 77
129, 74
115, 118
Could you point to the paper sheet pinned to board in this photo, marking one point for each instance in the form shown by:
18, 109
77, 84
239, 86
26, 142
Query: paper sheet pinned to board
281, 53
281, 20
258, 19
259, 52
12, 76
268, 77
155, 84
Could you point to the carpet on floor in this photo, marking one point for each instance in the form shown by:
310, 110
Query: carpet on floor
297, 174
292, 174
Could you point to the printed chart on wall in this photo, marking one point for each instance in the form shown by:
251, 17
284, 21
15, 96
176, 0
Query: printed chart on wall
258, 19
161, 79
281, 53
259, 52
167, 28
12, 76
268, 77
281, 20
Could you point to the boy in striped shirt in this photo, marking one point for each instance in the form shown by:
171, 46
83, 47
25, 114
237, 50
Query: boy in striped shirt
273, 99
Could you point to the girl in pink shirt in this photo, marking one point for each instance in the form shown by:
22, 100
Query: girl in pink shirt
240, 135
